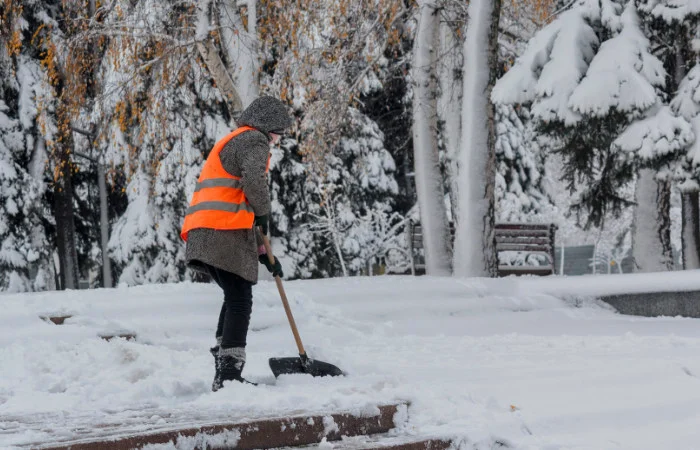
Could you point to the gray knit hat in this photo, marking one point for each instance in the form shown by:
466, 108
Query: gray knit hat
266, 114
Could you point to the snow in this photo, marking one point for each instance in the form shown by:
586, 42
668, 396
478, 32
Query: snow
560, 76
202, 30
623, 73
686, 104
551, 67
28, 77
566, 75
533, 362
672, 10
694, 149
656, 136
227, 439
521, 175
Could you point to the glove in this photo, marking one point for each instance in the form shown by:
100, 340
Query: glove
274, 269
262, 221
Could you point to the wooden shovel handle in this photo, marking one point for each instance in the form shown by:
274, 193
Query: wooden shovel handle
280, 288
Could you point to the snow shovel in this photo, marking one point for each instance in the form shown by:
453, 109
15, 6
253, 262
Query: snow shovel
302, 364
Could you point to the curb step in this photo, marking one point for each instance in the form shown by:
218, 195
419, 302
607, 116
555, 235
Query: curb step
381, 442
256, 434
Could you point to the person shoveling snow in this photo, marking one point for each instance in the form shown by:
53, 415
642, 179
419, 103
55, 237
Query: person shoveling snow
231, 198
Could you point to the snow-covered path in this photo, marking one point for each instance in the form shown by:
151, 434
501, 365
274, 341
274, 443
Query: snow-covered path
479, 360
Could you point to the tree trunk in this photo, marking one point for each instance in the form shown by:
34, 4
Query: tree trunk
450, 101
240, 46
338, 251
690, 234
663, 212
65, 220
429, 181
651, 234
475, 248
104, 227
690, 228
215, 64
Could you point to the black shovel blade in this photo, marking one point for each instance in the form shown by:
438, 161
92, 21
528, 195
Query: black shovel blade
302, 364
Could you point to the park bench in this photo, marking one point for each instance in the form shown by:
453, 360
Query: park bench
526, 238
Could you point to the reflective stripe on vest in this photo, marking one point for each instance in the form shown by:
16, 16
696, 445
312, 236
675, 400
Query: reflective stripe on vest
218, 201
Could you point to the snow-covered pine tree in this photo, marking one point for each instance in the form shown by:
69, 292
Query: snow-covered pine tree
25, 263
675, 24
590, 75
520, 196
63, 73
390, 108
358, 194
332, 224
288, 191
68, 65
659, 140
686, 104
45, 37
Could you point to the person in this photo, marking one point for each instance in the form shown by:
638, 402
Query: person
231, 198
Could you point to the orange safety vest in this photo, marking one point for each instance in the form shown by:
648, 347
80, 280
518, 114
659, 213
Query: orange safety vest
218, 201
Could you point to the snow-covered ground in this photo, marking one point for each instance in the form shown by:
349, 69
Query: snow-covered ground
530, 362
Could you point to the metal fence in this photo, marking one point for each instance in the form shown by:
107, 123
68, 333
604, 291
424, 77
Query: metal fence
585, 259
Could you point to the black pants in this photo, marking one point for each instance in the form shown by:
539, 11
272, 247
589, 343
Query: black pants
235, 312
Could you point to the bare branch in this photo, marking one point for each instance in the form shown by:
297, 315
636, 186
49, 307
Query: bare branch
89, 134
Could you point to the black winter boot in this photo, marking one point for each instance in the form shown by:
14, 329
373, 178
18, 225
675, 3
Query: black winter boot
229, 366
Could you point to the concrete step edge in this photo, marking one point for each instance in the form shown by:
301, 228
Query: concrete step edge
255, 434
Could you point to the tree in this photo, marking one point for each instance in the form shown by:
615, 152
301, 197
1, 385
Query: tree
38, 34
320, 182
161, 114
212, 58
676, 24
62, 71
450, 64
239, 42
429, 181
357, 197
595, 87
475, 241
24, 245
520, 196
665, 136
687, 105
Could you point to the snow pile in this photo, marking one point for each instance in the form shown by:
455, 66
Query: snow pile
479, 360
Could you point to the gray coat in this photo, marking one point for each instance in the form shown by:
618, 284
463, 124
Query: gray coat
244, 156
